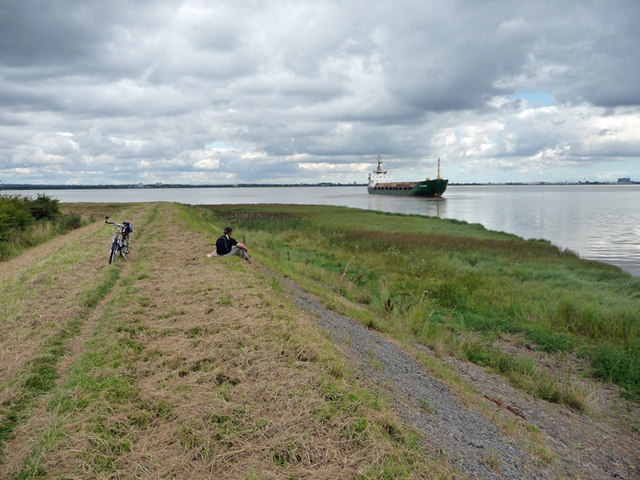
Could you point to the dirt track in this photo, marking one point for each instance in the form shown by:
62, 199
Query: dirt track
188, 311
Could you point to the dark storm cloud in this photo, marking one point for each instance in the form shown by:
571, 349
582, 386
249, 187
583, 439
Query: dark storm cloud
287, 91
48, 32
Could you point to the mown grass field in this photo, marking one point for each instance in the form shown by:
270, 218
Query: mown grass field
458, 289
172, 365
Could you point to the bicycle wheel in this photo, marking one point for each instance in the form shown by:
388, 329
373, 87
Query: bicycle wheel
113, 251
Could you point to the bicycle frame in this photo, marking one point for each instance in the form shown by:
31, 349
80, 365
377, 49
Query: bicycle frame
120, 241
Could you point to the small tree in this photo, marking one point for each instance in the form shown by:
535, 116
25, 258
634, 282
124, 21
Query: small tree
44, 207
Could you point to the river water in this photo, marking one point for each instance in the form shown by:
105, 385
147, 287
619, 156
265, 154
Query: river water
598, 222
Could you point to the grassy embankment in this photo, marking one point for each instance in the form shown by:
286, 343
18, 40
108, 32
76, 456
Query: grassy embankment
169, 363
457, 288
227, 377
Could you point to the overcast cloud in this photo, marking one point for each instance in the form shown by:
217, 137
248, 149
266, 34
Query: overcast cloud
129, 91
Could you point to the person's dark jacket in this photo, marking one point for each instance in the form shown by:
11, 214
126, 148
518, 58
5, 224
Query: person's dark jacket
224, 244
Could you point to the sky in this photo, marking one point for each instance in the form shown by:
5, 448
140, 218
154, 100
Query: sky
232, 92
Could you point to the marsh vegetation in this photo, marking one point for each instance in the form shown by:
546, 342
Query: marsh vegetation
459, 289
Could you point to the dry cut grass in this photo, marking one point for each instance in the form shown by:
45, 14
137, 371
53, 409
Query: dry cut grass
200, 368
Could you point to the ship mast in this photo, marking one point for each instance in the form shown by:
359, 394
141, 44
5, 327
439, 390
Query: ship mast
379, 163
439, 169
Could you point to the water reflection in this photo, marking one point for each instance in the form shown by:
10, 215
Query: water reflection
431, 207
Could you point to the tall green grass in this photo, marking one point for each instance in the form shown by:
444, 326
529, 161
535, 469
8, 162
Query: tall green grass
412, 272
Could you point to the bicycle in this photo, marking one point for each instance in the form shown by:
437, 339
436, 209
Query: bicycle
120, 241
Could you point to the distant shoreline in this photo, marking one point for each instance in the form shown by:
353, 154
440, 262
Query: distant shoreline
30, 186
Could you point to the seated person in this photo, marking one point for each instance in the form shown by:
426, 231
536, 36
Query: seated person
227, 245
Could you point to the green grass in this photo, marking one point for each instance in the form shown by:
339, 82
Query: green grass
618, 365
443, 281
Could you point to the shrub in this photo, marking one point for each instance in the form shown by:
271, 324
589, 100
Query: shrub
25, 223
44, 207
69, 222
14, 215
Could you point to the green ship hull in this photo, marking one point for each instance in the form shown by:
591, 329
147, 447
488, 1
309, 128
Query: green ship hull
427, 188
380, 184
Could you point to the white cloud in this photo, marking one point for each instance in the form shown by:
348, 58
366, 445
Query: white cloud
207, 164
306, 91
325, 167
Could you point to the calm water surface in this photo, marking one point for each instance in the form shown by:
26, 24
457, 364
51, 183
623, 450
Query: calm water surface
599, 222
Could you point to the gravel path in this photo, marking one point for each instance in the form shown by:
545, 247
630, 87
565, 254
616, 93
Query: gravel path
467, 438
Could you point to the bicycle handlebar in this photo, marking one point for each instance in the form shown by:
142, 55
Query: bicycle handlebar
106, 220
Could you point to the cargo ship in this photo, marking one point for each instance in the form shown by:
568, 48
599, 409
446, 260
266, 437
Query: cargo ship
380, 183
